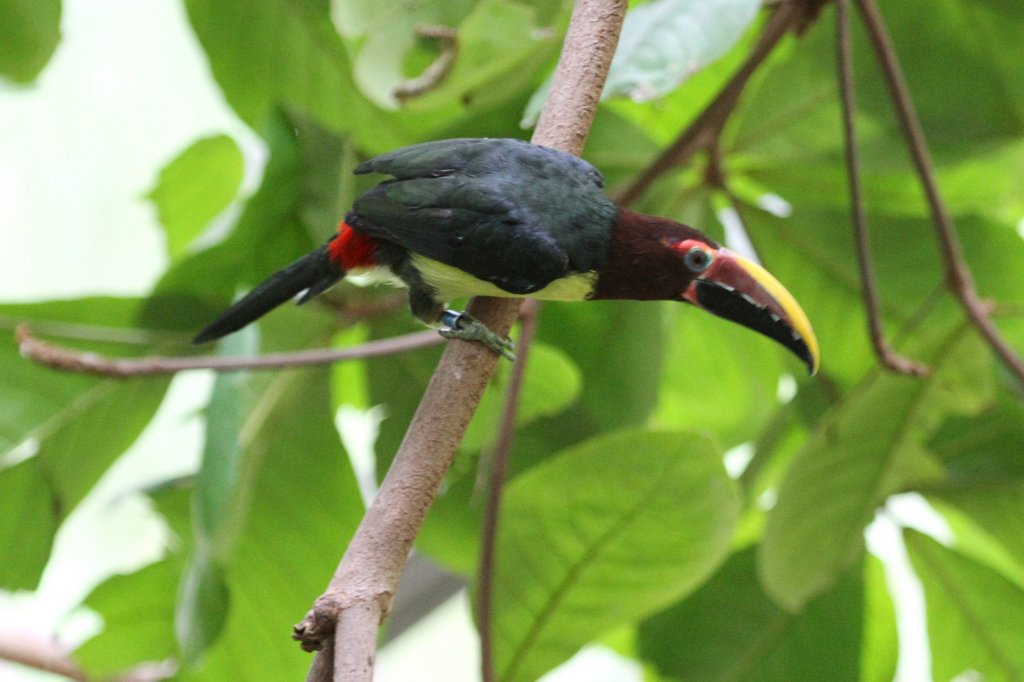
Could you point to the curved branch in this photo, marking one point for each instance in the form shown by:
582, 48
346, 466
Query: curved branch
438, 71
958, 273
360, 592
83, 362
889, 358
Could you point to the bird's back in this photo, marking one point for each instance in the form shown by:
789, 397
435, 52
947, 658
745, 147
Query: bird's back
507, 212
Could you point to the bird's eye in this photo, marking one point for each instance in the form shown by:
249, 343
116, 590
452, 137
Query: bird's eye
697, 259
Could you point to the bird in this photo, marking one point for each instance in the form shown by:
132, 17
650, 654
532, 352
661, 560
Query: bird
504, 217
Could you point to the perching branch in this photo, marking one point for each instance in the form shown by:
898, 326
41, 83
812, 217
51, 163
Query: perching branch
495, 485
83, 362
361, 590
888, 357
958, 274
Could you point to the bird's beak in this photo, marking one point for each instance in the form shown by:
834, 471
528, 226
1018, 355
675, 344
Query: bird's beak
742, 291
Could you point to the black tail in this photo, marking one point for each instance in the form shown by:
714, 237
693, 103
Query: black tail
313, 273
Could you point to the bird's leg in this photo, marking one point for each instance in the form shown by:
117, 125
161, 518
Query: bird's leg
462, 325
454, 324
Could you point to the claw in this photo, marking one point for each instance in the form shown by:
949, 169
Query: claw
466, 327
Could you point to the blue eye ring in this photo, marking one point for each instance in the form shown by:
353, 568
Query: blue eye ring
697, 260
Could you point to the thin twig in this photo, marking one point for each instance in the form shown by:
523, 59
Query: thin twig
704, 129
371, 566
958, 274
438, 71
83, 362
889, 358
38, 654
496, 482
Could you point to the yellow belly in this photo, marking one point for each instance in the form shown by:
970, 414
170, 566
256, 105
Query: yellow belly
454, 283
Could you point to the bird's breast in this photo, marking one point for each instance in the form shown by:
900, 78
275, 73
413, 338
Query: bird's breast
451, 283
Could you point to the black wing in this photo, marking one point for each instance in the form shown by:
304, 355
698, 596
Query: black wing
508, 212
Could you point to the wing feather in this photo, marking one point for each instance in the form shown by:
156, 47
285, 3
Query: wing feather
514, 214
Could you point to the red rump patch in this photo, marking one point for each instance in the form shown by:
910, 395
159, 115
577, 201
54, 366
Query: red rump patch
352, 250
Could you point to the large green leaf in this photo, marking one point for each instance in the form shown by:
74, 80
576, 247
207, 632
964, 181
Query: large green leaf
551, 384
719, 377
197, 185
880, 648
493, 67
138, 614
490, 66
987, 522
980, 44
975, 622
29, 32
294, 209
619, 346
663, 43
384, 33
28, 504
982, 495
861, 453
287, 547
222, 495
246, 498
283, 53
577, 528
730, 630
70, 427
138, 608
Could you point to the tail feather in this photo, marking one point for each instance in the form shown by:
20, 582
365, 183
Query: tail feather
314, 273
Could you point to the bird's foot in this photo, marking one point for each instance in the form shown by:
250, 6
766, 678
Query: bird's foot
466, 327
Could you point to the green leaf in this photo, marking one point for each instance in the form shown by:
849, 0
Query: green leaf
138, 615
880, 646
195, 187
27, 505
984, 449
987, 523
30, 394
52, 417
981, 44
284, 54
138, 608
665, 41
862, 452
220, 489
576, 527
29, 33
492, 66
730, 629
619, 347
975, 622
204, 600
282, 220
383, 33
288, 548
551, 384
220, 503
719, 377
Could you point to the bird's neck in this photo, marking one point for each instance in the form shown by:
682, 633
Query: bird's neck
641, 264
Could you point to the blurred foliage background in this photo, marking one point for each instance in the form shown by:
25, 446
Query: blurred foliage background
680, 492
